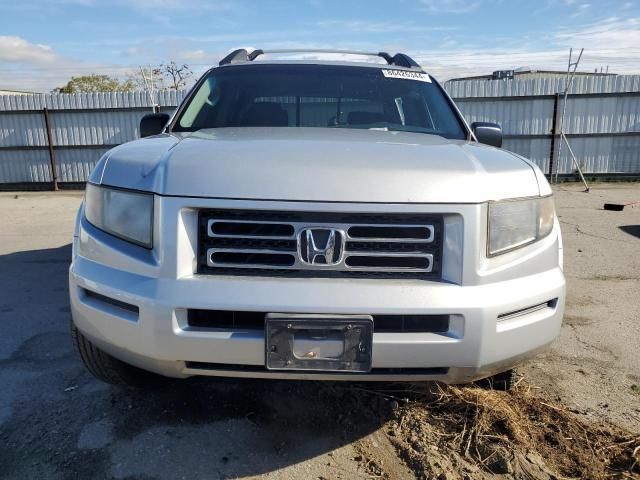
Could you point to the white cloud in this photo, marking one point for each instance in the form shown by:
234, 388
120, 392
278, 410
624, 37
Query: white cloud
448, 64
58, 3
450, 6
137, 51
187, 5
18, 50
613, 34
35, 67
29, 66
580, 10
614, 42
364, 26
199, 55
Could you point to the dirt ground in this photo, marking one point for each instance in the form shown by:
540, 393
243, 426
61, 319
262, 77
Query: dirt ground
594, 366
575, 414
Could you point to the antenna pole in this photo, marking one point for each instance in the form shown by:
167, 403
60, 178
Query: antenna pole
148, 86
571, 72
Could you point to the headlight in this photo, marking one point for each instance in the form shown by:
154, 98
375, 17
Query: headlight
516, 223
123, 213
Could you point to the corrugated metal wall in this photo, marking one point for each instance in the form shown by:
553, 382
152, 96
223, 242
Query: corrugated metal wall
83, 127
602, 121
542, 86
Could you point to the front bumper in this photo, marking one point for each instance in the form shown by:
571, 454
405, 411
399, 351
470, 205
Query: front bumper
485, 336
158, 339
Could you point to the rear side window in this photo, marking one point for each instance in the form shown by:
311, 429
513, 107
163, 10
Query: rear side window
318, 96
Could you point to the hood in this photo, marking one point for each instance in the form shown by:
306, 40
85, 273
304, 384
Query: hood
318, 164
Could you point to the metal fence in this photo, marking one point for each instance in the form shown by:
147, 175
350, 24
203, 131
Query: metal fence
68, 133
602, 121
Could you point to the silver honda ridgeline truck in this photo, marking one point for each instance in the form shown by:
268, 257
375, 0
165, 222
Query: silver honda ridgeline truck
315, 220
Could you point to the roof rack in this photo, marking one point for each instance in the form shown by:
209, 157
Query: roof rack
242, 55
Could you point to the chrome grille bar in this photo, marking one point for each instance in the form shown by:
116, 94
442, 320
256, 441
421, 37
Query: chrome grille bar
374, 243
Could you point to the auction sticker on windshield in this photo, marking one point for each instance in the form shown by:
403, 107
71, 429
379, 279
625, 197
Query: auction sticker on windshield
421, 77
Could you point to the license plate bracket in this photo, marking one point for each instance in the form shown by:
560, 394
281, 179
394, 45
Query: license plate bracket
329, 343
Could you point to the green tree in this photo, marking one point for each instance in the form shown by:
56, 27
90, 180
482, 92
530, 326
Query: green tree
95, 83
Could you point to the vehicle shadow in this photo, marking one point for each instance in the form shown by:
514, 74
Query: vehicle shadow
631, 230
55, 417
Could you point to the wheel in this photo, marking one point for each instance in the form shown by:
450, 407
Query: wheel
503, 381
107, 368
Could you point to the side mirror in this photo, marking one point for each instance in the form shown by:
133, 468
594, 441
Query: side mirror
488, 133
153, 124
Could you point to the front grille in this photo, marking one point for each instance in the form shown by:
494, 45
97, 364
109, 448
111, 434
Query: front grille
246, 320
257, 242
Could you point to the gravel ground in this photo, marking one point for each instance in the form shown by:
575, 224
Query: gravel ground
56, 421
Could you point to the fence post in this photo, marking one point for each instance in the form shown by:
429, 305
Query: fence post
552, 150
52, 155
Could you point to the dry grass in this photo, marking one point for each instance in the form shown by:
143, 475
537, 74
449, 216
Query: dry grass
471, 432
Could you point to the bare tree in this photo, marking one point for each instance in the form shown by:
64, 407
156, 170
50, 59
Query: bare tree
147, 78
177, 75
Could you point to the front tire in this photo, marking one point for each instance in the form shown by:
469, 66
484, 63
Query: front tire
107, 368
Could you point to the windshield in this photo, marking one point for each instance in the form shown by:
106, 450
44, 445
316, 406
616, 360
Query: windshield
320, 96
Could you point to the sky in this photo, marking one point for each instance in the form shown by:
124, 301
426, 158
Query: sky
45, 42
